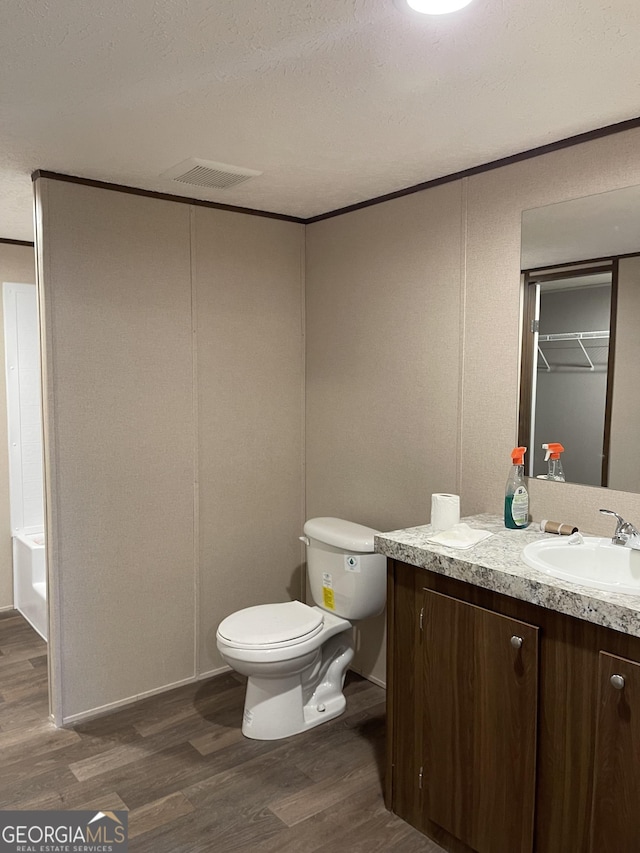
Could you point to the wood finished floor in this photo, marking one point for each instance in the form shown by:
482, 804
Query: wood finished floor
191, 782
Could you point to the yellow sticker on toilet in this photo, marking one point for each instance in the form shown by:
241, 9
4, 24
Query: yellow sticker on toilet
328, 599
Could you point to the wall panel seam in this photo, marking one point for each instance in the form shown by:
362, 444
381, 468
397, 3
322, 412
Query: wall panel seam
303, 399
195, 438
464, 221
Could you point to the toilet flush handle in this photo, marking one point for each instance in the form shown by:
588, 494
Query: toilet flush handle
304, 539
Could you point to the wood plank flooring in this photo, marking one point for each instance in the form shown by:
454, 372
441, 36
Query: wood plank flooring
191, 782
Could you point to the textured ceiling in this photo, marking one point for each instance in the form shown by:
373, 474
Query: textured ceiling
335, 101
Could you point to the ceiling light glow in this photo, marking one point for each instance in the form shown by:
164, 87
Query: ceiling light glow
437, 7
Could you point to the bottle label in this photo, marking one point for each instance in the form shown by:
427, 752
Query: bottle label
520, 506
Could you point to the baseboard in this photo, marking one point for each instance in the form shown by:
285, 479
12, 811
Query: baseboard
93, 713
100, 711
7, 608
372, 678
212, 673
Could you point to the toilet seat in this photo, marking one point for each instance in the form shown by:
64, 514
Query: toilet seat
271, 626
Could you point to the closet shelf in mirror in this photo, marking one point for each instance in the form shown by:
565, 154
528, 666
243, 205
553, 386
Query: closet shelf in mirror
579, 337
574, 336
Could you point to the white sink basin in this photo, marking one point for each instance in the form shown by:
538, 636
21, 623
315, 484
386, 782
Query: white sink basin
594, 562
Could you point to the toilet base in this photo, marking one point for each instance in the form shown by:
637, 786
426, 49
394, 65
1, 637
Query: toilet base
283, 706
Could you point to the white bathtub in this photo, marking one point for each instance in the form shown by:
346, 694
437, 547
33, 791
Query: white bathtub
30, 580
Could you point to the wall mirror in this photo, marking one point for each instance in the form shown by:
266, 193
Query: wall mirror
580, 261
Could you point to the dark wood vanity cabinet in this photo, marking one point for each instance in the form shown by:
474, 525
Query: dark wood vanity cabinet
506, 731
479, 737
616, 796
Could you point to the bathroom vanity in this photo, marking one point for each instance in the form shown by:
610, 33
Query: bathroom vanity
513, 700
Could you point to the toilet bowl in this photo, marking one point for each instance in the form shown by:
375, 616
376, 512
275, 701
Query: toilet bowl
294, 655
284, 696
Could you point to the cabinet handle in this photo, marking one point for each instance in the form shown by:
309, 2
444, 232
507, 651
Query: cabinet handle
516, 642
617, 681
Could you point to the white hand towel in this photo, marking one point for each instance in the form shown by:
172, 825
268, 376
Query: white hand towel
459, 536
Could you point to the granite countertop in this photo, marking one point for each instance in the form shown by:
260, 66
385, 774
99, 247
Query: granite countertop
496, 564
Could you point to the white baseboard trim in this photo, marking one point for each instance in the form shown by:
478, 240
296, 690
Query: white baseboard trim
7, 608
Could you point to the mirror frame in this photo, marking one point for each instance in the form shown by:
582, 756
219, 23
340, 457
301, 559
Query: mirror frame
554, 272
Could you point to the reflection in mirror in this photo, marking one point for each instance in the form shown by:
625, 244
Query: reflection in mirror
581, 346
572, 315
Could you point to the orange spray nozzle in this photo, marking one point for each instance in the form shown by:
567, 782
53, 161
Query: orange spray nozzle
517, 455
554, 449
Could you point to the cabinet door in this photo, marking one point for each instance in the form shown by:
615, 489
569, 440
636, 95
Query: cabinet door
615, 823
479, 726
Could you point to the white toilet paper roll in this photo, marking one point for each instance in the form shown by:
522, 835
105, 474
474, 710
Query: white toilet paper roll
445, 511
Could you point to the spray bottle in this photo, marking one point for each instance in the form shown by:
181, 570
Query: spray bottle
552, 456
516, 497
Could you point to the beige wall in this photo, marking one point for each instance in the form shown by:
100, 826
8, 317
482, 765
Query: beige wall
163, 454
250, 345
17, 264
383, 328
402, 295
174, 381
490, 388
488, 230
119, 442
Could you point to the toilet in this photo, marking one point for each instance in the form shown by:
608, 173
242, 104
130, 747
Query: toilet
295, 655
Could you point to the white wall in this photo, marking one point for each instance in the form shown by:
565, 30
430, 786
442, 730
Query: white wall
17, 263
24, 406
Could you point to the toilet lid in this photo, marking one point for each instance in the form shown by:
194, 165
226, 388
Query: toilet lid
270, 624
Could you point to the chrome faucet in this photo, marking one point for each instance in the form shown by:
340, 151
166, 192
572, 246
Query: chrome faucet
625, 533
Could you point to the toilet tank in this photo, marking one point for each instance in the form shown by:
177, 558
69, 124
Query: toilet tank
345, 576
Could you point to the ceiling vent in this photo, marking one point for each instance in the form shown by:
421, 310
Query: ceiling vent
211, 176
